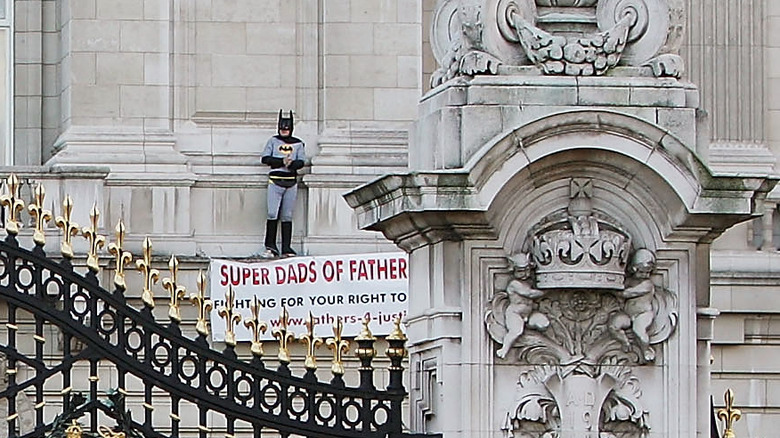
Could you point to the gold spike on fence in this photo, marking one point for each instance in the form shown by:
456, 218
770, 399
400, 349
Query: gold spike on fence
121, 256
339, 346
231, 317
96, 241
11, 201
150, 274
257, 327
176, 291
40, 214
729, 415
284, 336
68, 227
203, 304
312, 342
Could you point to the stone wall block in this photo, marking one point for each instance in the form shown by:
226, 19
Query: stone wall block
246, 71
479, 125
28, 80
394, 104
337, 71
82, 68
95, 35
269, 99
120, 68
144, 36
349, 39
232, 99
396, 39
95, 101
143, 101
377, 71
408, 72
681, 123
222, 38
28, 16
80, 9
338, 11
349, 103
28, 47
258, 11
156, 9
608, 96
270, 39
651, 96
120, 9
156, 69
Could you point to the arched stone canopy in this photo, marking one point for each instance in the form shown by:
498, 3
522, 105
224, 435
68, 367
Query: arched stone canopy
660, 176
465, 227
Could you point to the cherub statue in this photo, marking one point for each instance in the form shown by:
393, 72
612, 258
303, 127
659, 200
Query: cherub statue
638, 310
513, 310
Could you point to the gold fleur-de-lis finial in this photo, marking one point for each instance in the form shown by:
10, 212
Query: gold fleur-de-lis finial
284, 336
257, 327
231, 317
41, 215
312, 343
151, 275
122, 257
729, 415
176, 291
204, 305
339, 346
13, 203
96, 241
68, 227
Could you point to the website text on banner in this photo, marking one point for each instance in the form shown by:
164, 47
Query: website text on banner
348, 286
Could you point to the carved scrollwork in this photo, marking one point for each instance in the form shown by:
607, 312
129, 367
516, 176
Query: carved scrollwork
457, 39
584, 55
581, 314
604, 401
561, 37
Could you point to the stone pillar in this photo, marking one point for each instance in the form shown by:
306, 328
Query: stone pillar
559, 222
768, 227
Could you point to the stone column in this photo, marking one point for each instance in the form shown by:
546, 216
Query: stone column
573, 295
768, 227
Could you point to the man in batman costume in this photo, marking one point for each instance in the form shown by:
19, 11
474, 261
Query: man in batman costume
284, 154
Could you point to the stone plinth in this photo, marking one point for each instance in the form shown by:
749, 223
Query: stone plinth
518, 177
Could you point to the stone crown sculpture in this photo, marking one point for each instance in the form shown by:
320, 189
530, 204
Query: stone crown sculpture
580, 250
560, 37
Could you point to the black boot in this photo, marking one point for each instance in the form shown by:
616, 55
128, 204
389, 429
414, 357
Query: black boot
271, 250
287, 250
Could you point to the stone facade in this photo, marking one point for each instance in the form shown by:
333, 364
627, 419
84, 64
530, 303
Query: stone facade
156, 110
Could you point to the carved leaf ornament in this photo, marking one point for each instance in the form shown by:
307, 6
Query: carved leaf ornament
580, 314
560, 37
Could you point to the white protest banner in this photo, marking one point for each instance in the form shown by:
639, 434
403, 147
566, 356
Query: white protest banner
350, 287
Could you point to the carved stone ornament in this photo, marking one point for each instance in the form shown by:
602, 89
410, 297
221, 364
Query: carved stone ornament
561, 37
582, 323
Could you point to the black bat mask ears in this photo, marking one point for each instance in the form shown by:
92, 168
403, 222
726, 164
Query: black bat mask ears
285, 123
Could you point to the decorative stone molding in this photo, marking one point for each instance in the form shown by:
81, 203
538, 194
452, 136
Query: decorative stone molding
582, 55
561, 37
580, 326
578, 249
566, 401
465, 52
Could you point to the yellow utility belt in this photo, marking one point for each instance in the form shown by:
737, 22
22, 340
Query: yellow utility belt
282, 181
